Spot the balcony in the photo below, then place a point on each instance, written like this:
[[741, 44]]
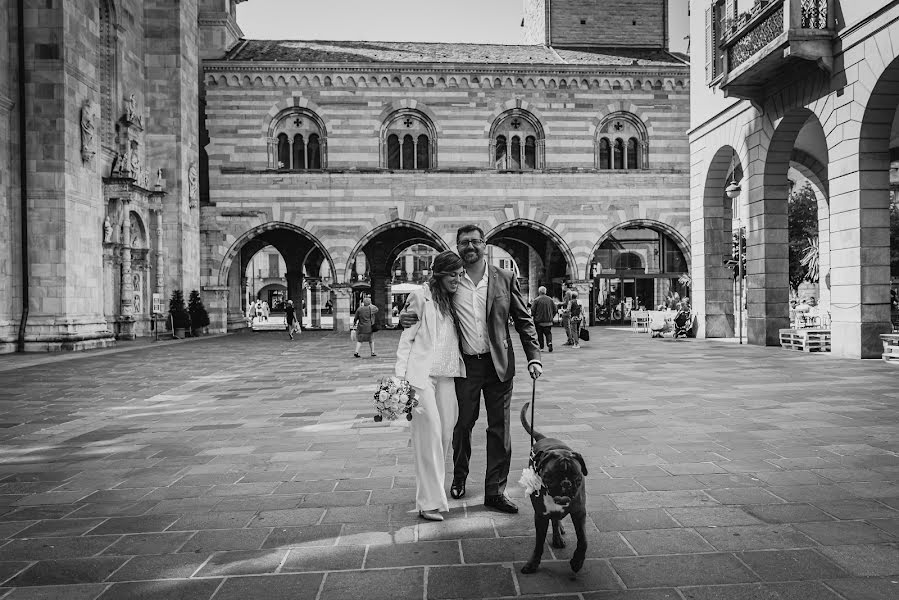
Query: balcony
[[760, 45]]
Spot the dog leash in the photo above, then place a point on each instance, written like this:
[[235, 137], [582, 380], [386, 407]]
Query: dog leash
[[533, 398]]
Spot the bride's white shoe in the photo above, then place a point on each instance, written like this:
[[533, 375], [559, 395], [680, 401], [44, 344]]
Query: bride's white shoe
[[430, 515]]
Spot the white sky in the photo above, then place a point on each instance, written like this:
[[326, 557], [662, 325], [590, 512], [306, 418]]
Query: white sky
[[472, 21]]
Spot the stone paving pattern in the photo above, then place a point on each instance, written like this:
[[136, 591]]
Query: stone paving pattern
[[248, 466]]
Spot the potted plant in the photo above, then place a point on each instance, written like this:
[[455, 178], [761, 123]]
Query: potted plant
[[179, 314], [199, 318]]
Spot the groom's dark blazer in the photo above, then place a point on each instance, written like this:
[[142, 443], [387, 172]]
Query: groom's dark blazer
[[503, 301]]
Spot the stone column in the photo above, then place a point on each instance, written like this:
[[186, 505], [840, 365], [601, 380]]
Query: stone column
[[160, 260], [126, 325], [295, 288], [315, 309], [380, 298], [215, 297], [343, 319]]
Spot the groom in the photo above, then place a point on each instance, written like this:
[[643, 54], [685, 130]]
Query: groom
[[485, 300]]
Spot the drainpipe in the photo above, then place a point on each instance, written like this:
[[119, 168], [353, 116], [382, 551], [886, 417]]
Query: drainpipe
[[23, 175]]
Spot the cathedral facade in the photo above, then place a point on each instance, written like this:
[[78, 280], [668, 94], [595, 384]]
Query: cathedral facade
[[148, 148]]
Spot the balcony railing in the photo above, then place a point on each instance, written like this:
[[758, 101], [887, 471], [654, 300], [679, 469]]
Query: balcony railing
[[756, 43]]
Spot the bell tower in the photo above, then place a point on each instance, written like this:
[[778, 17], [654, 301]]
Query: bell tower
[[597, 23], [218, 27]]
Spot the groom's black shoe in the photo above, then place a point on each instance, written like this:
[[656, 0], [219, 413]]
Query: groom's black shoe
[[500, 503], [457, 490]]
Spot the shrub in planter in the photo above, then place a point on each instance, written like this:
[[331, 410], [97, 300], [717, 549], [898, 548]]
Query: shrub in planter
[[199, 318], [180, 316]]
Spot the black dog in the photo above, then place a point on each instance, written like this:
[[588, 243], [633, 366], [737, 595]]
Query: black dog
[[562, 471]]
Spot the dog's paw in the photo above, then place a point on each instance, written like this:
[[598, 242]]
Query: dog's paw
[[529, 568], [558, 542], [576, 563]]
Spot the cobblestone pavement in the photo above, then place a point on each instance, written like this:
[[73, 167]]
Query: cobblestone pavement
[[248, 467]]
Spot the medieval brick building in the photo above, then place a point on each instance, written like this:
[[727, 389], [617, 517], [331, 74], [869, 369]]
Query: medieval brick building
[[160, 150]]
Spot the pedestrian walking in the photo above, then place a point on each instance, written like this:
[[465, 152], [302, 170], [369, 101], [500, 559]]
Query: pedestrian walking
[[565, 314], [365, 325], [290, 314], [543, 309], [575, 319], [428, 357], [486, 299]]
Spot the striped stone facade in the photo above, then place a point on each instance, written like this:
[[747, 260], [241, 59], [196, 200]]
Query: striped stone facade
[[341, 209]]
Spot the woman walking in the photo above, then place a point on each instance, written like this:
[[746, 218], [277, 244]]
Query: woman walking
[[364, 319], [576, 312], [291, 317], [428, 356]]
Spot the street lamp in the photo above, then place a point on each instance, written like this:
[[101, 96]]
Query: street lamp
[[733, 190]]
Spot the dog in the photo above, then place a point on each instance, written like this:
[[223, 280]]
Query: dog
[[562, 471]]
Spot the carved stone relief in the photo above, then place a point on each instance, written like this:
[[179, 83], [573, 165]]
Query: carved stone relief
[[193, 185], [88, 129]]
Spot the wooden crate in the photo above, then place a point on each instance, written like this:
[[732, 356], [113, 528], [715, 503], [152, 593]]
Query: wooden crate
[[806, 340], [890, 348]]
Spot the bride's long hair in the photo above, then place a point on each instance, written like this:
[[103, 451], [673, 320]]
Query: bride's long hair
[[446, 263]]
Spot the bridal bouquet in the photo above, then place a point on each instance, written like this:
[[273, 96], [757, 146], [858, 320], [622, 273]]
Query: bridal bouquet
[[394, 397]]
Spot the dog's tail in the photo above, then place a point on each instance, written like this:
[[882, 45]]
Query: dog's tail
[[524, 423]]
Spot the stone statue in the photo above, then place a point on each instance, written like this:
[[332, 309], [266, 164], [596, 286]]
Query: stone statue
[[158, 185], [193, 184], [88, 128], [107, 230], [120, 166], [131, 114], [135, 161]]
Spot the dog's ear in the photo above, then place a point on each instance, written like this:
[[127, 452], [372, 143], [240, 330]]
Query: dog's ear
[[580, 459]]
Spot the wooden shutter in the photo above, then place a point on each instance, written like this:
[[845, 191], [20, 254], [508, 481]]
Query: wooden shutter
[[729, 18], [710, 50]]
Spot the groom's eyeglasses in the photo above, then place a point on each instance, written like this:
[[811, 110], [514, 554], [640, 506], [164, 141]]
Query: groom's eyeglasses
[[465, 243]]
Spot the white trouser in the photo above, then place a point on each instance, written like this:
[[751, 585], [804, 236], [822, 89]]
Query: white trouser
[[432, 437]]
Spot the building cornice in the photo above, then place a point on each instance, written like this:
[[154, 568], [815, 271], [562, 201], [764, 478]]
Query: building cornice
[[220, 66]]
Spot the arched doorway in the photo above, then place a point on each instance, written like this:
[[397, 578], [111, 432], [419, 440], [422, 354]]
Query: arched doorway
[[540, 255], [287, 259], [768, 232], [373, 264], [868, 286], [637, 265], [714, 278]]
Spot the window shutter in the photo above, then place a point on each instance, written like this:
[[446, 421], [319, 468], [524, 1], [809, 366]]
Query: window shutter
[[710, 50]]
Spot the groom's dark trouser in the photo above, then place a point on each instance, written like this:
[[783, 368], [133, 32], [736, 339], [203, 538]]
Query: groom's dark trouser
[[481, 377]]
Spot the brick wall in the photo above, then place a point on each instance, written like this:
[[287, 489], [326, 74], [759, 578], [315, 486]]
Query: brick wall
[[618, 23]]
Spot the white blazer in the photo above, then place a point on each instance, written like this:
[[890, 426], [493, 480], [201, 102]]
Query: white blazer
[[415, 353]]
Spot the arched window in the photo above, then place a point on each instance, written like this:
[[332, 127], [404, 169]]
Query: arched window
[[314, 151], [393, 151], [621, 142], [107, 68], [605, 154], [500, 153], [297, 141], [408, 141], [283, 151], [632, 154], [408, 153], [618, 154], [530, 153], [516, 141], [423, 152], [515, 154]]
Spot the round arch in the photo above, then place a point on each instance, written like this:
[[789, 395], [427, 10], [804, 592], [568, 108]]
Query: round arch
[[413, 114], [571, 264], [259, 230], [682, 244], [425, 236]]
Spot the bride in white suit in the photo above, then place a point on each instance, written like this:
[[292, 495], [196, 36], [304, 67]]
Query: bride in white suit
[[428, 356]]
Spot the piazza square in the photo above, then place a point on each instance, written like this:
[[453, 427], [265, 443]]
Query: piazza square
[[224, 221]]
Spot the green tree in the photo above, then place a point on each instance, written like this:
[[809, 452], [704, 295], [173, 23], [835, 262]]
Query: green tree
[[199, 318], [802, 207], [180, 316]]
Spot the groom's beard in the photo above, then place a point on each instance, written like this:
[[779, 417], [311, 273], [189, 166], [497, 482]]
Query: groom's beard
[[472, 255]]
